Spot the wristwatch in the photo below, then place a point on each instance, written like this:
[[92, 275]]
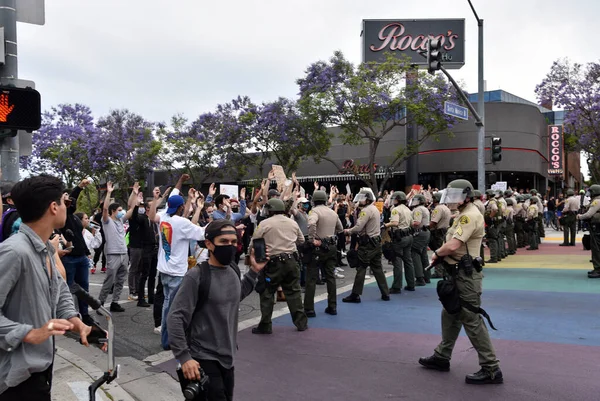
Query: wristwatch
[[436, 254]]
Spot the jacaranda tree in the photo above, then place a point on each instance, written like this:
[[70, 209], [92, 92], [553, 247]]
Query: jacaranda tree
[[369, 100], [576, 88]]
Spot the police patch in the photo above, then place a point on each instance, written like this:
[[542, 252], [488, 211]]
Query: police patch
[[394, 212], [436, 211], [362, 214], [464, 220], [594, 203]]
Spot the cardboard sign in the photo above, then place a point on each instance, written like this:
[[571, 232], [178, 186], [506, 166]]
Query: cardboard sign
[[279, 176], [230, 190]]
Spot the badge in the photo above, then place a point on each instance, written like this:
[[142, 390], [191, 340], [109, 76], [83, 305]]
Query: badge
[[464, 220], [362, 214], [595, 202], [436, 211], [394, 212]]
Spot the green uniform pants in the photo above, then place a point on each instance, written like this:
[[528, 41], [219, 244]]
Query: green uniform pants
[[510, 237], [492, 241], [540, 224], [533, 238], [403, 258], [328, 260], [370, 256], [570, 227], [501, 241], [595, 245], [419, 254], [470, 290], [287, 275], [519, 231]]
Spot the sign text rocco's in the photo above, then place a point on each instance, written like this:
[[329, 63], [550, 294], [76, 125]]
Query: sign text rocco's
[[555, 150], [408, 37]]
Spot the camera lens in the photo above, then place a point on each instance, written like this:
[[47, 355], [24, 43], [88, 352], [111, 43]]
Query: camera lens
[[191, 391]]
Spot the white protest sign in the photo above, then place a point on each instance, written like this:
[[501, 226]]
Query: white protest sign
[[230, 190]]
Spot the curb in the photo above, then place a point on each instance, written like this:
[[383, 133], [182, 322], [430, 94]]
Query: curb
[[112, 390]]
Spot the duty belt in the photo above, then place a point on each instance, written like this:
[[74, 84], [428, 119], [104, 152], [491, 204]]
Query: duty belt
[[282, 257], [404, 232], [329, 240]]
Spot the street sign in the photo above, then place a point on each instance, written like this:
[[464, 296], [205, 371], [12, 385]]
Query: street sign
[[20, 108], [456, 110], [31, 12]]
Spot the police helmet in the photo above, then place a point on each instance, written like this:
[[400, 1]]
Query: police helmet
[[533, 192], [534, 199], [319, 196], [417, 200], [477, 194], [570, 192], [457, 191], [490, 193], [520, 199], [399, 196], [508, 193], [365, 194], [594, 190], [275, 205], [510, 202], [437, 197]]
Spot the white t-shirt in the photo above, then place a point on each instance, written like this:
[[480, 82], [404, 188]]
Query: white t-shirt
[[175, 236]]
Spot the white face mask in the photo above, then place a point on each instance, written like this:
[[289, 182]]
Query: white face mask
[[141, 210]]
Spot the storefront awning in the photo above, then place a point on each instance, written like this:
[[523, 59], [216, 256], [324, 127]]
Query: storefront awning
[[332, 177]]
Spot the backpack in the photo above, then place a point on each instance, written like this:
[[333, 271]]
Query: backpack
[[10, 223]]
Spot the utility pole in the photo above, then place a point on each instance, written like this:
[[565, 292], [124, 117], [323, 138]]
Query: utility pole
[[9, 146], [480, 108], [412, 138]]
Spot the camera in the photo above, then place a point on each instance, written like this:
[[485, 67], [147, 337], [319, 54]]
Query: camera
[[195, 388]]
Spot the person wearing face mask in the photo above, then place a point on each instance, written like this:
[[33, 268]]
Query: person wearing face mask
[[402, 240], [462, 244], [117, 260], [224, 207], [203, 320]]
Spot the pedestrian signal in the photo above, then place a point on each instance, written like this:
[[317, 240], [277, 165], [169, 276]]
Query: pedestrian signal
[[20, 109]]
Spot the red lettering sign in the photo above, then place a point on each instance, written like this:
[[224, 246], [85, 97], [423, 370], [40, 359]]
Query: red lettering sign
[[555, 150], [393, 38], [349, 167]]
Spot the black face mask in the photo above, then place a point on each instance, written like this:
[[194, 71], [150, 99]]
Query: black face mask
[[225, 253], [235, 209]]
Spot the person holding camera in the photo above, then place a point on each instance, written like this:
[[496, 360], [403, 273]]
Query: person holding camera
[[203, 318], [464, 273]]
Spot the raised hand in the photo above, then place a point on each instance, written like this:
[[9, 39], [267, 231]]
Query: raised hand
[[185, 177], [136, 188], [243, 194], [212, 190], [84, 183], [109, 187]]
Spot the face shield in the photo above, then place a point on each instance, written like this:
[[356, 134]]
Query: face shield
[[360, 197], [453, 196], [414, 202]]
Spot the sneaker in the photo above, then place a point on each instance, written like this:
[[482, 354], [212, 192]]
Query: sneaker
[[143, 304], [93, 271], [133, 297], [158, 330], [115, 307], [339, 269], [103, 270], [338, 275]]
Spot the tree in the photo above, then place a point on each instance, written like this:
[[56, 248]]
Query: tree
[[66, 145], [129, 146], [192, 149], [367, 101], [576, 88]]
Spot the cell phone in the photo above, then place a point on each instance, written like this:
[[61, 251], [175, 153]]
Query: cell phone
[[260, 250], [69, 248]]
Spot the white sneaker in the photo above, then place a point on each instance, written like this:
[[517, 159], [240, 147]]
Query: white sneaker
[[133, 297], [157, 330], [343, 254], [338, 275], [339, 269], [367, 276]]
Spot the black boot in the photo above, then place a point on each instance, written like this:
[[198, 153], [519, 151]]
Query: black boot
[[436, 363], [352, 298], [115, 307], [485, 376]]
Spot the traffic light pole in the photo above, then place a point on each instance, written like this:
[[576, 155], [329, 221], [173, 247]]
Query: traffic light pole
[[9, 146], [480, 108]]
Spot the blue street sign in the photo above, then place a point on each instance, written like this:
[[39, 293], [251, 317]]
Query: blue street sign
[[456, 110]]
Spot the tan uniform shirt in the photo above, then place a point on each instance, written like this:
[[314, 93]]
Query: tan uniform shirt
[[281, 234], [571, 205], [441, 215], [403, 216], [369, 222], [492, 206], [532, 212], [323, 223], [509, 213], [520, 211], [594, 208], [502, 201], [421, 215], [480, 206], [469, 228]]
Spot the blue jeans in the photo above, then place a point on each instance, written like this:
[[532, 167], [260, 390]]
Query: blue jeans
[[170, 287], [78, 271]]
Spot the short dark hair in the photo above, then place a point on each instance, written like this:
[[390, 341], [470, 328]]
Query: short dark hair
[[34, 195], [112, 207], [80, 215], [219, 199]]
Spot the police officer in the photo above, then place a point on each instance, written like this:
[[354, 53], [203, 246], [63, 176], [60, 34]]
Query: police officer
[[478, 203], [491, 219], [464, 237], [532, 214], [593, 216], [420, 225], [281, 235], [402, 240], [520, 217], [540, 218], [570, 218], [502, 224], [438, 226], [368, 227], [509, 216], [323, 227]]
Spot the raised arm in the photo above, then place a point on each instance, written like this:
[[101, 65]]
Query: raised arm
[[109, 191]]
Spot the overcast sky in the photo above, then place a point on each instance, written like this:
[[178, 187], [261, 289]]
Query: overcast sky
[[159, 58]]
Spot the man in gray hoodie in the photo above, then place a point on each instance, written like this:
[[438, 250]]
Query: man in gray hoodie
[[212, 325]]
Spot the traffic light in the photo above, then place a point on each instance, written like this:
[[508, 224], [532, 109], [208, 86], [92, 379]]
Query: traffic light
[[20, 109], [496, 150], [434, 55]]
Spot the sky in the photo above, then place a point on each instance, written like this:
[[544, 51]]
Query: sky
[[159, 58]]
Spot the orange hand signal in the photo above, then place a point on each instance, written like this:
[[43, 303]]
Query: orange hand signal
[[5, 109]]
